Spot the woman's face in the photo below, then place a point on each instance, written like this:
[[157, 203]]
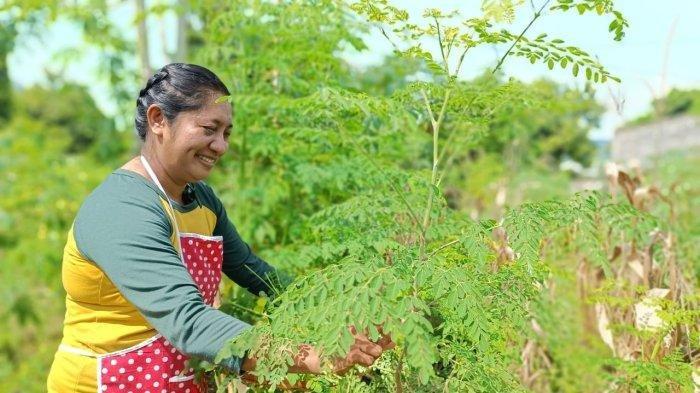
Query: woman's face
[[194, 141]]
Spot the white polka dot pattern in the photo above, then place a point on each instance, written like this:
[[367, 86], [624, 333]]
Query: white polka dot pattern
[[203, 258], [132, 372], [142, 369]]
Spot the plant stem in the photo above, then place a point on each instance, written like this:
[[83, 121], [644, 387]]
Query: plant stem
[[657, 346], [433, 177], [522, 33], [496, 68], [246, 309], [442, 49], [443, 247], [384, 33], [397, 374], [449, 47], [461, 61]]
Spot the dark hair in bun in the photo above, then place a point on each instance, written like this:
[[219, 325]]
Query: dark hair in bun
[[175, 88]]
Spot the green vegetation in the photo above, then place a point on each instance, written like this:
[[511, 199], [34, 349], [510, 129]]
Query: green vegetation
[[676, 102], [45, 176], [399, 196]]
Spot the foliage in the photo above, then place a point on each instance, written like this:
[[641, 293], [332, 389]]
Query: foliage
[[454, 297], [405, 199], [600, 7], [676, 102], [43, 183], [99, 31], [71, 108], [7, 35], [529, 123]]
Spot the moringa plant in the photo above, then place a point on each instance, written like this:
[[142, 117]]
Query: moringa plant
[[385, 253]]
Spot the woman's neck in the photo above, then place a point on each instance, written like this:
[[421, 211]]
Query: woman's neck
[[172, 188]]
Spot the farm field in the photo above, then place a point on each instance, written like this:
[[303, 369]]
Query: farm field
[[455, 207]]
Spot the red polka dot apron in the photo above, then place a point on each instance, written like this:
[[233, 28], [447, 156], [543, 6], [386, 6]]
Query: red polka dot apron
[[155, 366]]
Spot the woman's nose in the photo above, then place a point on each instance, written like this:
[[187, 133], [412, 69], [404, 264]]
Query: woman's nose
[[219, 145]]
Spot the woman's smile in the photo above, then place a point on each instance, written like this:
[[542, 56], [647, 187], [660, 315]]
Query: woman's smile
[[208, 161]]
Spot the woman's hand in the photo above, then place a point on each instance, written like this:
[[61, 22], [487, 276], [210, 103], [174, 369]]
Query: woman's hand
[[363, 352], [385, 340]]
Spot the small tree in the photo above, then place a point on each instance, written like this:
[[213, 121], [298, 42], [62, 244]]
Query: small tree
[[391, 257]]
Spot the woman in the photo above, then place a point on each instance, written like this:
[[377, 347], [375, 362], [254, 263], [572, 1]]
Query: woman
[[143, 259]]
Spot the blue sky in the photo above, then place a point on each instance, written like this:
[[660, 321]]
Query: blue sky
[[638, 59]]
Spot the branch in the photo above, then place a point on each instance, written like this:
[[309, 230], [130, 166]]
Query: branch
[[433, 176], [522, 33], [427, 106], [444, 107], [444, 246], [442, 50], [461, 60], [450, 45], [384, 33]]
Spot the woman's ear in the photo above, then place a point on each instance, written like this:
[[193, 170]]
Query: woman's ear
[[156, 119]]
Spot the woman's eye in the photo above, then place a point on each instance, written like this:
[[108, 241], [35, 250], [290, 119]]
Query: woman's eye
[[209, 130]]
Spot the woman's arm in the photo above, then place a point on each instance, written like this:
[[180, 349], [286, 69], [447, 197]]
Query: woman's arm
[[240, 264], [122, 227]]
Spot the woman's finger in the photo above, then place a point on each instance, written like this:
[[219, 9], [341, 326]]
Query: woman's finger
[[371, 348], [341, 366], [386, 342], [361, 358]]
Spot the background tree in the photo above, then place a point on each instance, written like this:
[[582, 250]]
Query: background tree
[[7, 39], [56, 148], [331, 176], [70, 107]]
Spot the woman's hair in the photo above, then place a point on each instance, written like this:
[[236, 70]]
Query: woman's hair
[[176, 88]]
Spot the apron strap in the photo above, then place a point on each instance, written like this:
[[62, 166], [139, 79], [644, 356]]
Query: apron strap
[[154, 178]]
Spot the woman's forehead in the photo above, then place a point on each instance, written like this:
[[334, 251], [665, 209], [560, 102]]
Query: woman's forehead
[[220, 113]]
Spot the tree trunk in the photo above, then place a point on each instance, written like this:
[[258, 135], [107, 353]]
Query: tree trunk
[[142, 40], [7, 39], [182, 29]]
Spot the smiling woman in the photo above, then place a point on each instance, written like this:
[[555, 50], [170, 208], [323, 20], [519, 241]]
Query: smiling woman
[[144, 257], [189, 129]]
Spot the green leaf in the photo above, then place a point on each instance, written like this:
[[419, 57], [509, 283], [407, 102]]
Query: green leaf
[[292, 378], [373, 332], [224, 98], [574, 70]]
